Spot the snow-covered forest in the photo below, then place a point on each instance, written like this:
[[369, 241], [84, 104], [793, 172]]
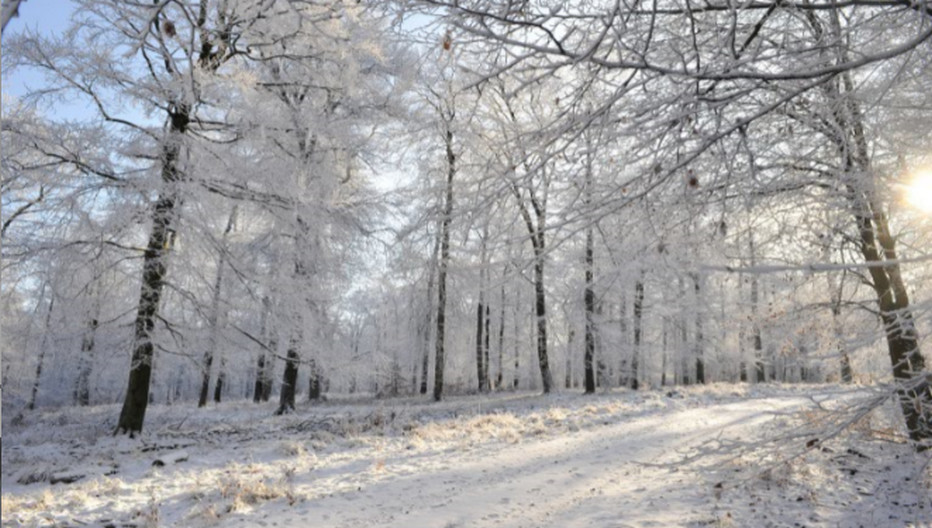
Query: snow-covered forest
[[285, 249]]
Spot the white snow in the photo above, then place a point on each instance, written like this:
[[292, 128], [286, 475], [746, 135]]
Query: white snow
[[704, 456]]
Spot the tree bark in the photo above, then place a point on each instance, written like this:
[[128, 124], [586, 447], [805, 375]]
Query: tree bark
[[262, 388], [481, 370], [683, 358], [486, 363], [540, 296], [314, 385], [744, 373], [221, 380], [757, 340], [638, 322], [517, 373], [540, 304], [589, 302], [444, 262], [568, 377], [43, 346], [624, 376], [289, 380], [699, 345], [914, 384], [260, 377], [501, 340], [429, 319], [845, 370], [82, 388], [482, 318], [213, 321], [664, 341], [154, 267]]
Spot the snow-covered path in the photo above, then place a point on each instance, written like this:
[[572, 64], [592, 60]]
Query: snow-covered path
[[503, 460], [599, 477]]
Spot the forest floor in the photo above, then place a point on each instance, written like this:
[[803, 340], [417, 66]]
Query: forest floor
[[718, 456]]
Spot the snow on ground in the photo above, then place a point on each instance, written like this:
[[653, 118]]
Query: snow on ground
[[714, 456]]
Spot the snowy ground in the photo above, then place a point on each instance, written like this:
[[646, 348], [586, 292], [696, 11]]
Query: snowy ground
[[710, 456]]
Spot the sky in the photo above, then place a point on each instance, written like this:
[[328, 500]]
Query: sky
[[46, 17]]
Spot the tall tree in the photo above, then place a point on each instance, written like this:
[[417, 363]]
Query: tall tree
[[447, 116], [213, 321], [588, 292]]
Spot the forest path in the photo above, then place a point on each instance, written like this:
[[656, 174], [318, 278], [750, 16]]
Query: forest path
[[618, 475], [567, 460]]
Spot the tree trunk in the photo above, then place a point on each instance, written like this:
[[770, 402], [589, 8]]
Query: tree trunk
[[914, 383], [487, 365], [442, 271], [205, 379], [624, 376], [314, 384], [683, 357], [482, 317], [540, 303], [43, 346], [154, 267], [846, 372], [568, 374], [395, 381], [425, 357], [269, 368], [602, 368], [263, 368], [638, 321], [425, 354], [588, 292], [221, 379], [269, 373], [589, 301], [501, 340], [663, 358], [536, 231], [878, 245], [744, 373], [517, 377], [260, 377], [758, 342], [481, 371], [303, 269], [699, 345], [289, 380], [82, 388], [213, 322]]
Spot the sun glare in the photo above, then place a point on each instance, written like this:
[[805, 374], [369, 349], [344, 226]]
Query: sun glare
[[919, 191]]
